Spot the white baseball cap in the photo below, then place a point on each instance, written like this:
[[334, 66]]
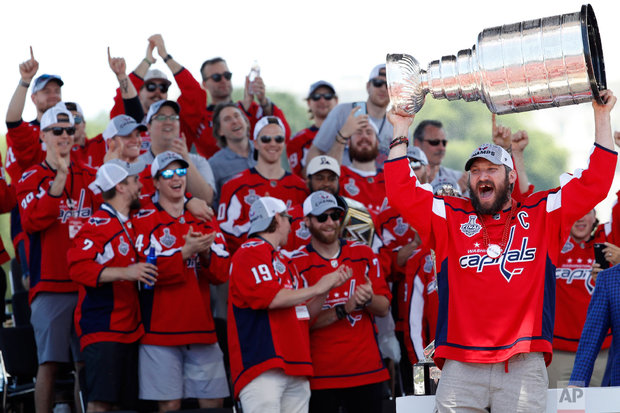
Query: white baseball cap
[[323, 163], [121, 125], [51, 115], [262, 212], [492, 153], [266, 120], [164, 159], [112, 173], [320, 201]]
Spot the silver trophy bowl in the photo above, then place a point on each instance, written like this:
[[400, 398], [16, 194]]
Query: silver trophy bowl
[[535, 64]]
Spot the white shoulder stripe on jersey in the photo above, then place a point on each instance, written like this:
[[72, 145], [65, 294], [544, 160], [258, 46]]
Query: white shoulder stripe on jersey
[[108, 254], [554, 201], [439, 207], [416, 310]]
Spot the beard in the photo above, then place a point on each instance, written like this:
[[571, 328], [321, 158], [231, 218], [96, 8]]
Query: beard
[[364, 155], [135, 204], [321, 237], [502, 196]]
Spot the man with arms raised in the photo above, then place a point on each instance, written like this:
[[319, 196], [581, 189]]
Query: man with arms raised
[[496, 259]]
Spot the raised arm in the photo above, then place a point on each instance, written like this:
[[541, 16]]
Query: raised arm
[[158, 41], [27, 71], [602, 119]]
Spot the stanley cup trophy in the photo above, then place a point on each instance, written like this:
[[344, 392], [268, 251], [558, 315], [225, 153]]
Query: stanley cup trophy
[[535, 64]]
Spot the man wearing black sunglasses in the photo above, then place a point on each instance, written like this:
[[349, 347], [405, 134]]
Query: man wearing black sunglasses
[[333, 137], [430, 136], [348, 367], [267, 178], [152, 86], [54, 201], [321, 100], [216, 81]]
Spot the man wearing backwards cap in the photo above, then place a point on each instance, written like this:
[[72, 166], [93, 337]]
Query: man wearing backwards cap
[[343, 121], [268, 178], [348, 367], [496, 259], [179, 356], [104, 262], [321, 100], [54, 202], [268, 315]]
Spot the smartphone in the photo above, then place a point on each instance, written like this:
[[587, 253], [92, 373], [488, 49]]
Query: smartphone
[[599, 255], [361, 110]]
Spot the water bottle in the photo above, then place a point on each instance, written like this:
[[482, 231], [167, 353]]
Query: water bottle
[[254, 73], [151, 259]]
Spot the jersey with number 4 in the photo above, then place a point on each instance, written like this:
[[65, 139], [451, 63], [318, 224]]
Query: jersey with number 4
[[260, 338], [493, 308], [106, 311], [174, 311], [344, 353]]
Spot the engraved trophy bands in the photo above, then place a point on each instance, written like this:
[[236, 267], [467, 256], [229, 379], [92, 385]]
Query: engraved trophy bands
[[426, 374], [535, 64]]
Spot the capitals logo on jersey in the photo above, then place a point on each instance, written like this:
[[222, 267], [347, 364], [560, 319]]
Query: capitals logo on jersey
[[510, 256], [98, 221], [72, 209]]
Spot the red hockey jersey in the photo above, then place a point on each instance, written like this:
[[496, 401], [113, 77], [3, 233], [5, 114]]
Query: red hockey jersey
[[344, 353], [297, 149], [574, 287], [52, 222], [260, 339], [107, 311], [367, 188], [240, 192], [174, 312], [491, 309], [8, 201]]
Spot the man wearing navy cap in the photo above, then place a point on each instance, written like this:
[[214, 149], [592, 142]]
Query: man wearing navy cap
[[321, 100]]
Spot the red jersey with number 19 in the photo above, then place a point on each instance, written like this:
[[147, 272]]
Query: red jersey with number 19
[[259, 338], [493, 308]]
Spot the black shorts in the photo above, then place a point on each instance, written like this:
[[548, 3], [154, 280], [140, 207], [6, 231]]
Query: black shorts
[[111, 371]]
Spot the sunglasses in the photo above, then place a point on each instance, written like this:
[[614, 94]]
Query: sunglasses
[[378, 82], [78, 119], [216, 77], [163, 118], [152, 87], [326, 96], [169, 173], [287, 216], [57, 130], [267, 139], [335, 216], [436, 142]]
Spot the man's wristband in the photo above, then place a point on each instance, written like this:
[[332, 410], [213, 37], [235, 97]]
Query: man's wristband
[[24, 84], [147, 61], [399, 140], [340, 311], [346, 138], [168, 57]]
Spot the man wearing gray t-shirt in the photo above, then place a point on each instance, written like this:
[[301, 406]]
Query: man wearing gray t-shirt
[[430, 136], [333, 137]]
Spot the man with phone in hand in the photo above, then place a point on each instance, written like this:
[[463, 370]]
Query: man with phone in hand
[[333, 137], [574, 282]]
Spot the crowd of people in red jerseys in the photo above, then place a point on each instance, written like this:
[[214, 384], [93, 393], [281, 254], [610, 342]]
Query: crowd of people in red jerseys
[[177, 244]]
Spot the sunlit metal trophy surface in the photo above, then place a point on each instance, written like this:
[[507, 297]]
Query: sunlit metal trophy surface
[[535, 64], [357, 224], [426, 374]]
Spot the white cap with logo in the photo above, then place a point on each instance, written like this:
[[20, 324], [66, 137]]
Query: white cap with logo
[[492, 153], [262, 212], [114, 172]]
